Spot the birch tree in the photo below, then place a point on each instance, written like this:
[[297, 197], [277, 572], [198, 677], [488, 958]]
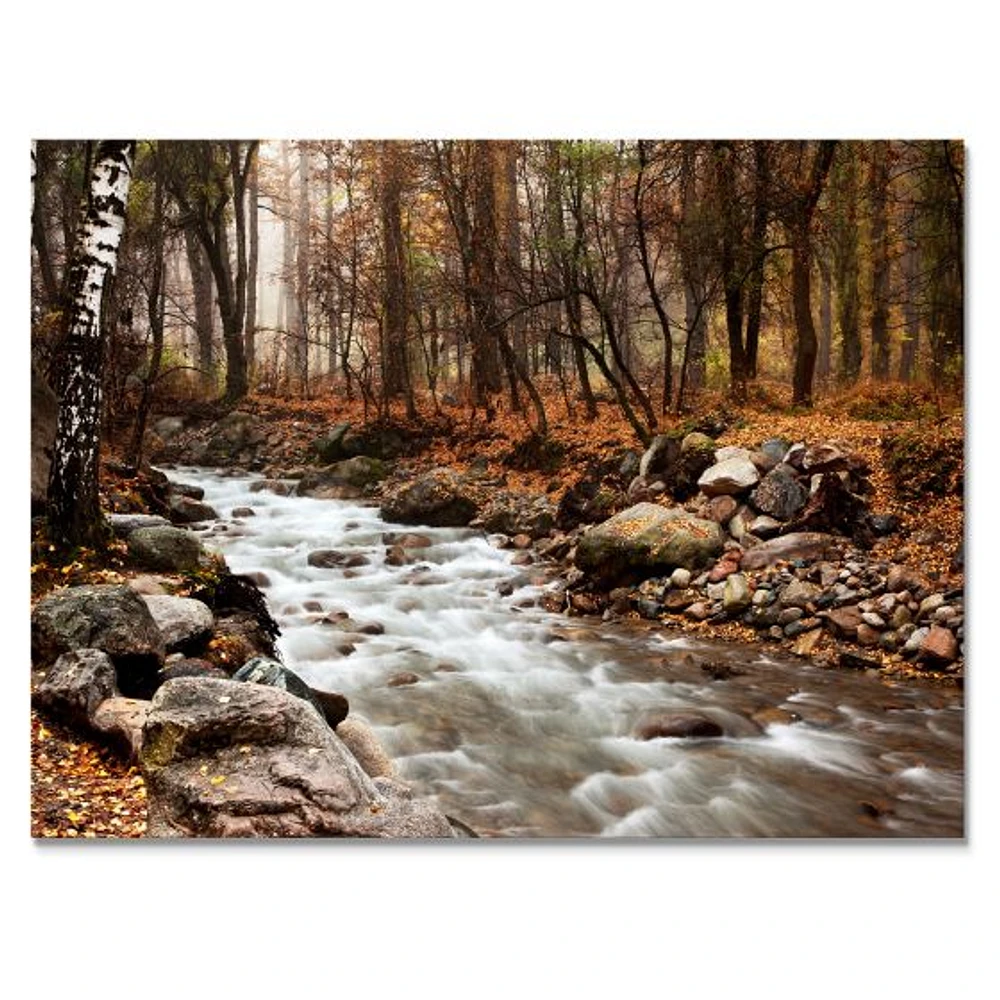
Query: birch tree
[[74, 514]]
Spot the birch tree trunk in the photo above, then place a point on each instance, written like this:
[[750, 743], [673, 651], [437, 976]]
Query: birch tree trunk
[[74, 513]]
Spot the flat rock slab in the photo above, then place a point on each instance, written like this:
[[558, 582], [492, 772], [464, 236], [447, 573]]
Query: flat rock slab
[[805, 545]]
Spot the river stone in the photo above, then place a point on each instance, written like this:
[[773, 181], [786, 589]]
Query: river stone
[[111, 618], [224, 759], [334, 481], [333, 704], [845, 620], [731, 451], [722, 508], [191, 666], [439, 499], [680, 578], [122, 525], [168, 549], [186, 624], [75, 686], [263, 670], [799, 593], [780, 494], [329, 446], [646, 538], [243, 512], [736, 597], [403, 679], [731, 476], [676, 725], [939, 647], [804, 545], [186, 510], [764, 526], [361, 740]]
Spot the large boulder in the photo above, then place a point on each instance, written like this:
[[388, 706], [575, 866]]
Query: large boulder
[[224, 759], [344, 480], [235, 432], [439, 499], [646, 539], [114, 619], [188, 510], [329, 447], [122, 525], [168, 549], [510, 513], [186, 624]]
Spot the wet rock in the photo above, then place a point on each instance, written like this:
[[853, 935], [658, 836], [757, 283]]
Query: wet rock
[[276, 486], [438, 499], [75, 686], [122, 525], [676, 725], [185, 510], [403, 679], [772, 715], [110, 618], [805, 644], [731, 476], [343, 480], [326, 558], [167, 549], [646, 538], [186, 624], [224, 759], [361, 741], [333, 705], [243, 512]]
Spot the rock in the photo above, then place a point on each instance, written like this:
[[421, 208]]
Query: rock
[[276, 486], [646, 538], [736, 598], [699, 611], [122, 525], [780, 494], [110, 618], [120, 721], [727, 565], [243, 512], [805, 545], [167, 549], [167, 428], [805, 644], [587, 502], [235, 432], [344, 480], [185, 510], [938, 648], [333, 705], [326, 558], [866, 635], [662, 453], [854, 661], [731, 451], [929, 605], [915, 640], [190, 666], [845, 620], [900, 578], [764, 526], [873, 620], [799, 593], [680, 578], [731, 476], [403, 679], [775, 449], [224, 759], [186, 624], [722, 508], [772, 715], [75, 686], [360, 740], [438, 499], [329, 447], [263, 670], [675, 725]]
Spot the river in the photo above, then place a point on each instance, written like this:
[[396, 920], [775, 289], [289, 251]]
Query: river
[[520, 723]]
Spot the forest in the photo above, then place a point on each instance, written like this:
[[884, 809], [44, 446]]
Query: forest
[[451, 446]]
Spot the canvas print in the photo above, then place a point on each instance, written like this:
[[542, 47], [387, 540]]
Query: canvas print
[[564, 489]]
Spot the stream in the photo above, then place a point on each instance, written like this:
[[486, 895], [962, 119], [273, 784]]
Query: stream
[[520, 723]]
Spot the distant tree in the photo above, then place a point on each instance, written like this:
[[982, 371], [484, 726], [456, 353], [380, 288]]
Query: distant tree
[[878, 197], [74, 515], [844, 251]]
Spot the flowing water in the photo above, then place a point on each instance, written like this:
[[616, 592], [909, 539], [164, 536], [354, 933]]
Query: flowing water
[[521, 721]]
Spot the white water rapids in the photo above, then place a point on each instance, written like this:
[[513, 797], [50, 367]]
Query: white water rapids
[[521, 722]]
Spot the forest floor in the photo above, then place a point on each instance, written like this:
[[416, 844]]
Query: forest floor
[[80, 789]]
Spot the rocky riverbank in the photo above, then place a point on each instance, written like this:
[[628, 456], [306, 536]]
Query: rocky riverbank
[[815, 546]]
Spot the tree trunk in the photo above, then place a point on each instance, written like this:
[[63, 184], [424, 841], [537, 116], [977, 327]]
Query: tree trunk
[[395, 349], [758, 249], [845, 233], [204, 313], [732, 278], [879, 195], [302, 273], [250, 337], [911, 312], [74, 514], [825, 322]]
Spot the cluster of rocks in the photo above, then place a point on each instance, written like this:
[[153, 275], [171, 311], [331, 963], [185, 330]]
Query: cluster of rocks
[[231, 743], [774, 539]]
